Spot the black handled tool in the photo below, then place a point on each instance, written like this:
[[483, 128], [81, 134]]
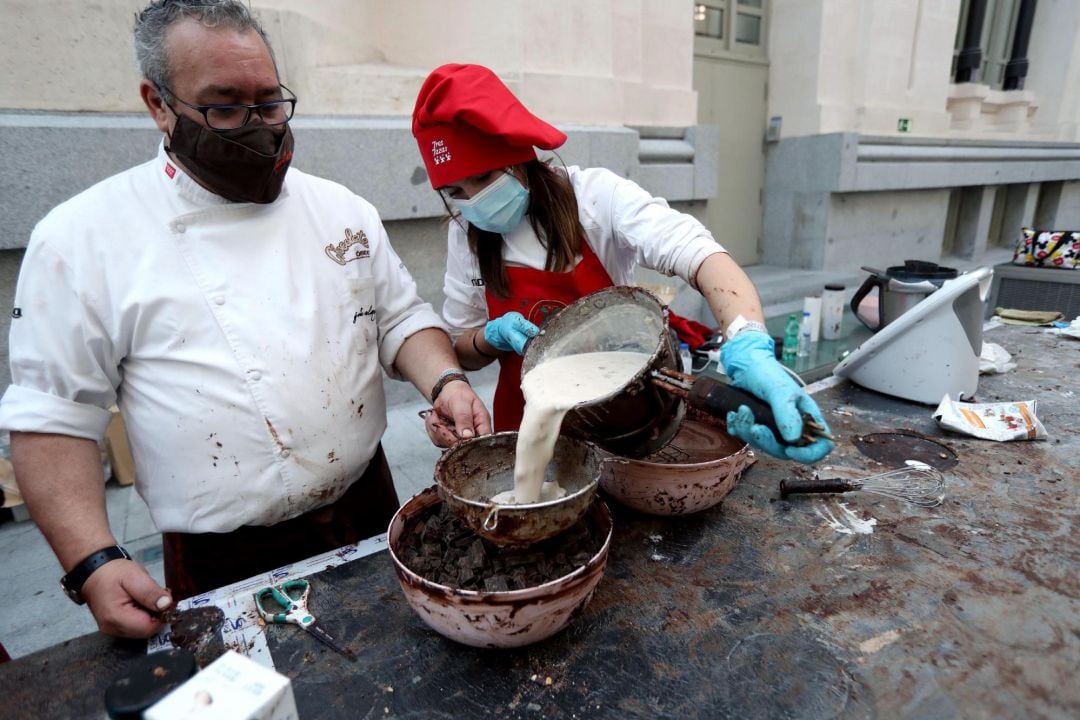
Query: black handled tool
[[717, 399]]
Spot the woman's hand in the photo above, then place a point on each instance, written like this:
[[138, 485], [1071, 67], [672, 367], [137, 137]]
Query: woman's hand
[[750, 361], [510, 332]]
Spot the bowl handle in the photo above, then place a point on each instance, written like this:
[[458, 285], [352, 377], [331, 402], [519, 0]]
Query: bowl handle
[[491, 521]]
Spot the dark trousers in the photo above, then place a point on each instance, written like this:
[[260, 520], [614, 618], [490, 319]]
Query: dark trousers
[[197, 562]]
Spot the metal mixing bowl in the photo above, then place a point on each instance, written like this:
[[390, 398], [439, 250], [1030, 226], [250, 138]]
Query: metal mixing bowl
[[498, 619], [472, 472], [693, 472]]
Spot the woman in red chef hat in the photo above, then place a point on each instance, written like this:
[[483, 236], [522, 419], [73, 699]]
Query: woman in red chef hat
[[528, 239]]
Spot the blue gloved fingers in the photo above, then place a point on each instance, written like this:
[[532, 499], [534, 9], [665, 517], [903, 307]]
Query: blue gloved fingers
[[741, 425], [808, 454], [523, 331], [784, 402], [510, 332]]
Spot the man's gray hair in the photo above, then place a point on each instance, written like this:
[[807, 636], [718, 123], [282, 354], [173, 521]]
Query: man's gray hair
[[152, 24]]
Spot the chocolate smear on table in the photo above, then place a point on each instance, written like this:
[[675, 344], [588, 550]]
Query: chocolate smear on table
[[198, 631], [440, 548]]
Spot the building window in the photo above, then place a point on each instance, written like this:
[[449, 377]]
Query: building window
[[731, 28], [997, 33]]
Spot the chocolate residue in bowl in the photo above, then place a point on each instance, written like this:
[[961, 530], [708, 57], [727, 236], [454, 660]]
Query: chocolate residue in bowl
[[442, 549]]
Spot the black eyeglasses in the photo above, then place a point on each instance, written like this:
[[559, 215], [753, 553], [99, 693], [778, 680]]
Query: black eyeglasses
[[229, 116]]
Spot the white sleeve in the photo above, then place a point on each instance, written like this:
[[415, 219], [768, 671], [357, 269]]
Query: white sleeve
[[399, 309], [663, 239], [466, 302], [64, 366]]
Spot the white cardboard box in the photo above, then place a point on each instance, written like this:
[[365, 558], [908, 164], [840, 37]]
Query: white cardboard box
[[230, 688]]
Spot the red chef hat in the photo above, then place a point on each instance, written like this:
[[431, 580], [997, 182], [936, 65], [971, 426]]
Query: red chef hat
[[466, 121]]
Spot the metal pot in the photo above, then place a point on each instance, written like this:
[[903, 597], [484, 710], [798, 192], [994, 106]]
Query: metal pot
[[472, 472], [900, 288], [640, 418]]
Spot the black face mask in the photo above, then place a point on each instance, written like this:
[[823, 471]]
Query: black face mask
[[246, 164]]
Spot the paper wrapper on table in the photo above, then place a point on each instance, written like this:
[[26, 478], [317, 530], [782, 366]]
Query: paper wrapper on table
[[232, 687], [991, 421]]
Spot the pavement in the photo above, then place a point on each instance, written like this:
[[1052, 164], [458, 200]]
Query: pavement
[[38, 615]]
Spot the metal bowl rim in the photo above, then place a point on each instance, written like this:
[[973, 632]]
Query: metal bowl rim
[[599, 558], [590, 487]]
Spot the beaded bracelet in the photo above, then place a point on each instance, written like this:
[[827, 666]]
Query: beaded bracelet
[[449, 375]]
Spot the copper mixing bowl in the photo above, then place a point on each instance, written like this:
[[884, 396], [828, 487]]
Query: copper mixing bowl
[[498, 619], [693, 472]]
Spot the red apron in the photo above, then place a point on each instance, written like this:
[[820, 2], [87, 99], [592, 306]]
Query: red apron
[[537, 294]]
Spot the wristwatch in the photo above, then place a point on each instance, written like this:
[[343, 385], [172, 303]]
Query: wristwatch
[[72, 583]]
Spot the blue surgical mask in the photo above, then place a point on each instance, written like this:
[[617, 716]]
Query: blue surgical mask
[[497, 208]]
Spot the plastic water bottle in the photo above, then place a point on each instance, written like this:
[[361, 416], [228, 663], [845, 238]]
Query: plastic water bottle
[[685, 358], [804, 335], [791, 337]]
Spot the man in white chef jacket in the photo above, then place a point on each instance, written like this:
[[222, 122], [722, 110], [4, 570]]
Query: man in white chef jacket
[[239, 313]]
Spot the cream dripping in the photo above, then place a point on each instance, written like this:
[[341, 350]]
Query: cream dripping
[[551, 390]]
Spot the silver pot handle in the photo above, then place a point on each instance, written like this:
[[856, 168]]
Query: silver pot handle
[[492, 520]]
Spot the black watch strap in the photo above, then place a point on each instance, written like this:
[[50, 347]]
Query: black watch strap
[[72, 583]]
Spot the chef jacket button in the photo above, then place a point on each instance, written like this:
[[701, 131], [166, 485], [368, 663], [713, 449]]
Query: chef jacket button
[[284, 453], [180, 227], [219, 299], [256, 375]]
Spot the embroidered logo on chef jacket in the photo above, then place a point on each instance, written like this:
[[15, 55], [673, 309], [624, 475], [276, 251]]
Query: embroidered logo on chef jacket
[[440, 153], [16, 313], [353, 247], [170, 170], [477, 282]]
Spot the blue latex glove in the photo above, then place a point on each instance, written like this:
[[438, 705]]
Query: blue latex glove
[[510, 332], [750, 361]]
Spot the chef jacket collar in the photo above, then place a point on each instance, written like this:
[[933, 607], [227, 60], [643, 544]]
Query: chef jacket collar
[[191, 191]]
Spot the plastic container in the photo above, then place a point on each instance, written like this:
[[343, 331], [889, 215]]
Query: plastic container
[[791, 337], [805, 337], [685, 358], [832, 311]]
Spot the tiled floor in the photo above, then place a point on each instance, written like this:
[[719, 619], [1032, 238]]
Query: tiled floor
[[36, 614]]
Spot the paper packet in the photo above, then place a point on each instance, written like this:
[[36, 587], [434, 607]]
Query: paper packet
[[991, 421]]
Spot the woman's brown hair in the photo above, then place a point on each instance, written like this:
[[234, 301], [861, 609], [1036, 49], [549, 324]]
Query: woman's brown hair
[[553, 214]]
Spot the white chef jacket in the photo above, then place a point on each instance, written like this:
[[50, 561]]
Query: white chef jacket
[[625, 227], [242, 342]]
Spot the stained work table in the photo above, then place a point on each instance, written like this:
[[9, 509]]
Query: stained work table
[[755, 609]]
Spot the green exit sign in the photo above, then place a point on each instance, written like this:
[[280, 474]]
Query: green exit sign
[[903, 125]]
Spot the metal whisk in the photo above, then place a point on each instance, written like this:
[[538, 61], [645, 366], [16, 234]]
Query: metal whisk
[[916, 483]]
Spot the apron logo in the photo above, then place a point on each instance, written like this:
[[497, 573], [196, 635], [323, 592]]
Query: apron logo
[[543, 311], [347, 250]]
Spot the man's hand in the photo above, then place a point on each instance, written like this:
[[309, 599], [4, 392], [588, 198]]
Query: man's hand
[[122, 596], [458, 415]]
